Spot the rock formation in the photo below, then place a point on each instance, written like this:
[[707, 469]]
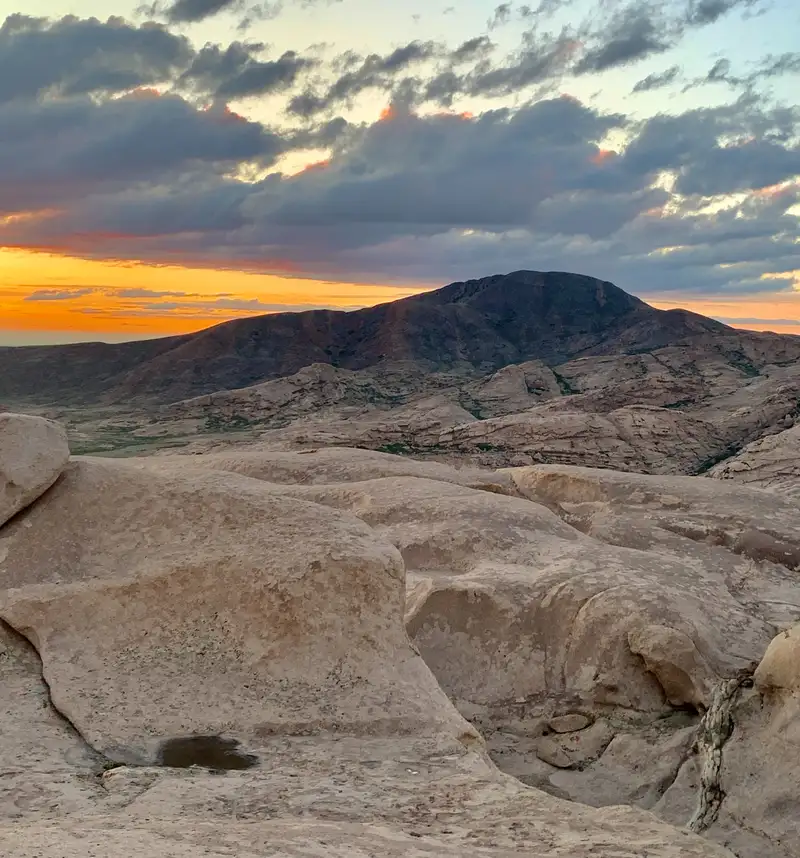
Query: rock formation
[[200, 661], [346, 652], [772, 462]]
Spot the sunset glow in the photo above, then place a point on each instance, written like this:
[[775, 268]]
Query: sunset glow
[[167, 166], [43, 293]]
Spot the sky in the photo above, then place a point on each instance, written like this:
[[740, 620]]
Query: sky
[[168, 165]]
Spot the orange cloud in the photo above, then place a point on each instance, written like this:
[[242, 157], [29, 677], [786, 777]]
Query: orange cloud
[[602, 155], [316, 166]]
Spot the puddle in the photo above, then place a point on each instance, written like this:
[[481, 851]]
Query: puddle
[[210, 752]]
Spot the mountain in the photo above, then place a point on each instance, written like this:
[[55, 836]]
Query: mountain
[[477, 326]]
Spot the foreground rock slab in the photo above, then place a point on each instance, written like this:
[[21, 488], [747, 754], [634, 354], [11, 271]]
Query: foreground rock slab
[[205, 604], [208, 656]]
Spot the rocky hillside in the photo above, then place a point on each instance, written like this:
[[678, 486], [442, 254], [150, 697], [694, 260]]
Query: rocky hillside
[[348, 653], [680, 409], [475, 327]]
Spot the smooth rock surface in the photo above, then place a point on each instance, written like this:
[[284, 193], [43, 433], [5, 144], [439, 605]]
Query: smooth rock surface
[[253, 606], [33, 453], [164, 606]]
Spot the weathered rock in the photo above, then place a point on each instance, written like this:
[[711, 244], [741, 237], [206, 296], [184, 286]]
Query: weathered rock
[[569, 723], [575, 749], [550, 751], [634, 438], [33, 453], [635, 768], [771, 463], [779, 669], [672, 657]]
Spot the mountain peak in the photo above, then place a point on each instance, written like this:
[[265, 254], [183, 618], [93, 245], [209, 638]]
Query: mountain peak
[[487, 323]]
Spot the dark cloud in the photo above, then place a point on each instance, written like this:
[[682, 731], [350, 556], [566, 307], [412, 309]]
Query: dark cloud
[[198, 10], [719, 71], [472, 49], [443, 197], [501, 15], [702, 12], [213, 65], [645, 28], [111, 144], [417, 195], [262, 77], [722, 150], [148, 293], [771, 66], [630, 36], [540, 59], [192, 11], [374, 72], [658, 80], [71, 56]]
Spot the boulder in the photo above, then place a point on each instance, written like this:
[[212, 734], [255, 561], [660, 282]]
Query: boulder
[[569, 723], [779, 669], [33, 453]]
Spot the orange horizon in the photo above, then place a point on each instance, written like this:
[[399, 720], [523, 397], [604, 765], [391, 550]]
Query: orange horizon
[[131, 299]]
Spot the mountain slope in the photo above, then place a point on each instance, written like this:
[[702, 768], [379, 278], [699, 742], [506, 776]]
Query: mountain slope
[[478, 324]]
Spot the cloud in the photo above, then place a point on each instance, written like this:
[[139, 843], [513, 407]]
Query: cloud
[[735, 320], [657, 80], [106, 145], [73, 56], [441, 197], [193, 11], [374, 72], [190, 11], [149, 293], [59, 294], [702, 12], [631, 35], [703, 200], [236, 71], [722, 150], [501, 15]]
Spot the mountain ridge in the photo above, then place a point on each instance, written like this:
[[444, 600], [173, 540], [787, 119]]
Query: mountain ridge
[[479, 325]]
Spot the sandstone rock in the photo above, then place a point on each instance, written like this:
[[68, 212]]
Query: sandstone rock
[[634, 438], [575, 749], [636, 768], [550, 751], [258, 597], [755, 764], [569, 723], [506, 601], [779, 669], [33, 453], [178, 605], [771, 463], [672, 657]]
